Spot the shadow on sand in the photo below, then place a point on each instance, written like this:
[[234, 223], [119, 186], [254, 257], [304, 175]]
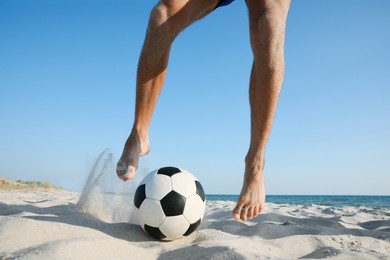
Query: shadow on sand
[[68, 214], [273, 226]]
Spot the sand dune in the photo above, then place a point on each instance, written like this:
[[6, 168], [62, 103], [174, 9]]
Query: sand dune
[[51, 225]]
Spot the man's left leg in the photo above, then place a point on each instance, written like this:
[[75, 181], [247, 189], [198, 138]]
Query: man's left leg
[[267, 23]]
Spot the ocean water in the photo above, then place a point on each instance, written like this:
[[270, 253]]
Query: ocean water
[[327, 200]]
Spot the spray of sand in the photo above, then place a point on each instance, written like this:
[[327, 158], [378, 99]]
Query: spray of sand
[[106, 197]]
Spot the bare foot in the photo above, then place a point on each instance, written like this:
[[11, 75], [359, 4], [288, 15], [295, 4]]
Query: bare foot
[[252, 198], [135, 147]]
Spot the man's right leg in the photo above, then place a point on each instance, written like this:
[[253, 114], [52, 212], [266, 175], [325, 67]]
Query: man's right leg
[[167, 19]]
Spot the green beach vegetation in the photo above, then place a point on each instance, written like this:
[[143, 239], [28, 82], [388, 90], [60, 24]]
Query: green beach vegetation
[[9, 184]]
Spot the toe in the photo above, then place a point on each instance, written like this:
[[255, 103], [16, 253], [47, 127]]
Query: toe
[[236, 212], [261, 207], [255, 211], [125, 172], [127, 166], [244, 214], [129, 174], [251, 212]]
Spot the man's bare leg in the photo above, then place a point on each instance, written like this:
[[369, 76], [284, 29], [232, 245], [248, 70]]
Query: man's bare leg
[[167, 20], [267, 22]]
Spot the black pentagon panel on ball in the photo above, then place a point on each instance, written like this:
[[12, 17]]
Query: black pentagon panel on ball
[[139, 196], [169, 171], [192, 228], [154, 232], [173, 204], [200, 191]]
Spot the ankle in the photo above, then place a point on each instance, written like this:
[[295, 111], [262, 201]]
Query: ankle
[[255, 158], [139, 134], [254, 166], [139, 139]]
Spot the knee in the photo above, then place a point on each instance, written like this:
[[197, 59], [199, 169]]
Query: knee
[[162, 20], [267, 23]]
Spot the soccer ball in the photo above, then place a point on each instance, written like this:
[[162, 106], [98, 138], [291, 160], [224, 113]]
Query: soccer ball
[[170, 203]]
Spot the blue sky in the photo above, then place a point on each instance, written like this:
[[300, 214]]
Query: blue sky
[[67, 79]]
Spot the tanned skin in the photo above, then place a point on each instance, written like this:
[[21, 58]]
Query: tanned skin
[[267, 23]]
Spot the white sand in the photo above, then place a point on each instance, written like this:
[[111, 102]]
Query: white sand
[[49, 225]]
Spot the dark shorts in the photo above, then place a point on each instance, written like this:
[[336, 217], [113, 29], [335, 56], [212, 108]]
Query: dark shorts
[[225, 2]]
